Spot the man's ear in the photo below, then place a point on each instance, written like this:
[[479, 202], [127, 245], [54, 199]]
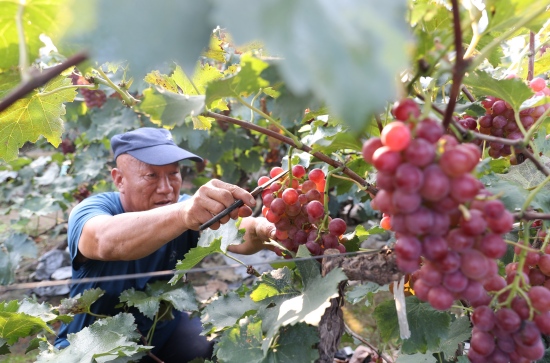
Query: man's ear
[[118, 179]]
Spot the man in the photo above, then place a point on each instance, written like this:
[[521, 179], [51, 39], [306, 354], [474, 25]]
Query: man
[[147, 226]]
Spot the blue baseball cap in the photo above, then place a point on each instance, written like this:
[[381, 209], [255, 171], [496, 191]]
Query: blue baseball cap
[[150, 145]]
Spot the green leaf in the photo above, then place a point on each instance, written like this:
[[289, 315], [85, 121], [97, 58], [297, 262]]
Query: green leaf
[[195, 255], [14, 247], [109, 339], [39, 17], [33, 116], [513, 91], [229, 233], [331, 139], [366, 39], [241, 343], [80, 303], [459, 331], [169, 109], [43, 310], [307, 307], [16, 325], [181, 296], [226, 310], [295, 344], [275, 282], [246, 82], [417, 358], [428, 326], [150, 36], [364, 291]]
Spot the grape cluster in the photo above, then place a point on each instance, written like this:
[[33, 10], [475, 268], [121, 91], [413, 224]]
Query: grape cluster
[[511, 334], [92, 98], [296, 207], [499, 119], [427, 191]]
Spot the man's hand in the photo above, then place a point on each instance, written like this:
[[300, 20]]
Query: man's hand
[[211, 199], [258, 231]]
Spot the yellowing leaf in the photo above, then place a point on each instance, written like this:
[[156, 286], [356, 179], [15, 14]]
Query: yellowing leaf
[[202, 122], [161, 80], [202, 76], [215, 50], [38, 114]]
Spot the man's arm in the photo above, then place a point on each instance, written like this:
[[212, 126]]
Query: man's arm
[[130, 236]]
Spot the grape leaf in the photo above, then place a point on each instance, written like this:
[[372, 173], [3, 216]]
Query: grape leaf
[[513, 91], [459, 331], [229, 233], [43, 311], [330, 139], [428, 326], [14, 248], [163, 81], [365, 38], [169, 109], [181, 296], [80, 303], [244, 83], [38, 114], [275, 282], [39, 17], [149, 37], [296, 343], [226, 310], [109, 339], [15, 325], [241, 343], [416, 358], [307, 307], [195, 255], [365, 290]]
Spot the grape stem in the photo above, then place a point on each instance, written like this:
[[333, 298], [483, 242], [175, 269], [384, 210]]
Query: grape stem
[[531, 57], [23, 54], [519, 245], [459, 68], [371, 189], [239, 261], [86, 86], [127, 98], [519, 277]]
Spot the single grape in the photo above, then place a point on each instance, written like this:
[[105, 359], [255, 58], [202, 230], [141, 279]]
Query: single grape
[[420, 152], [262, 180], [408, 178], [408, 248], [483, 318], [540, 298], [316, 175], [440, 298], [275, 171], [507, 320], [337, 227], [396, 136], [290, 196], [475, 225], [298, 171], [436, 184], [369, 147], [537, 84], [315, 209], [482, 342], [474, 264], [278, 206], [386, 160], [429, 130], [404, 109]]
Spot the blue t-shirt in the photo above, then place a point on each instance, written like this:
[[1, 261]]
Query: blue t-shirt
[[164, 258]]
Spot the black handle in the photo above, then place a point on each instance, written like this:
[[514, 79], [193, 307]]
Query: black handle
[[238, 203]]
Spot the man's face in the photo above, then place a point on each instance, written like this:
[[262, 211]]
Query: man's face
[[143, 186]]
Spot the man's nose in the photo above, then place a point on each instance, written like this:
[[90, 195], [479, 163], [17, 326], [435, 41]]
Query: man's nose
[[164, 186]]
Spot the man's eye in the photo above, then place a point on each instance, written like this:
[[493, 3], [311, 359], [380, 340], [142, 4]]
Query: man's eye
[[150, 175]]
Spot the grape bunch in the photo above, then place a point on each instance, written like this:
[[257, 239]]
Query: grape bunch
[[295, 205], [499, 119], [92, 98], [427, 191]]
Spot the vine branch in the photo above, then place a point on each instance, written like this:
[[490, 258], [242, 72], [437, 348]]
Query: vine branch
[[289, 141], [36, 81]]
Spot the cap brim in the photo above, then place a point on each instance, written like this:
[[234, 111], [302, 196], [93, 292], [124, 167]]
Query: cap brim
[[163, 155]]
